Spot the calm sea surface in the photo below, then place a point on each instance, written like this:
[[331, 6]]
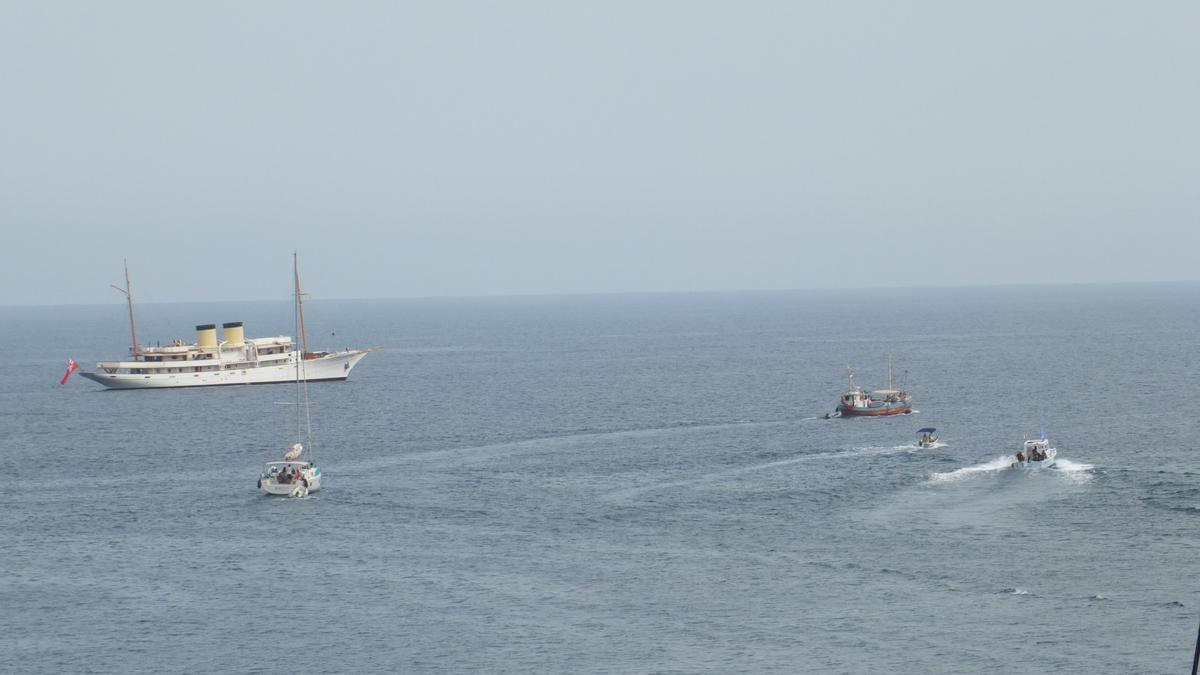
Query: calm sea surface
[[617, 484]]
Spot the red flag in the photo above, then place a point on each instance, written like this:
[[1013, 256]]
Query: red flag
[[71, 366]]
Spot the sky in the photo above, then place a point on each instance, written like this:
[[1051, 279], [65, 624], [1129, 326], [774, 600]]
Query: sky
[[414, 149]]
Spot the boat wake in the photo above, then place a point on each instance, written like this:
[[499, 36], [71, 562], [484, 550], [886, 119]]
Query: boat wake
[[999, 464], [1075, 471], [632, 492], [554, 442], [1078, 472]]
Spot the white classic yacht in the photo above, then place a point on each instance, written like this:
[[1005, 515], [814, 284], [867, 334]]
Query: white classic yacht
[[229, 358]]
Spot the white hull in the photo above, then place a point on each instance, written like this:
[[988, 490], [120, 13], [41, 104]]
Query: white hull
[[311, 476], [1043, 464], [335, 366]]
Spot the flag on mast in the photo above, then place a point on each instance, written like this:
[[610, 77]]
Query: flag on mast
[[71, 366]]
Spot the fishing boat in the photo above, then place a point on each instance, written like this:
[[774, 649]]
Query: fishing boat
[[229, 358], [926, 437], [297, 474], [1035, 453], [859, 402]]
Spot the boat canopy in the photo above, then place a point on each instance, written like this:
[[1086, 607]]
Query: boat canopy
[[302, 463], [926, 430]]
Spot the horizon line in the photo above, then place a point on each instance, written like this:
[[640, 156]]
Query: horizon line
[[730, 291]]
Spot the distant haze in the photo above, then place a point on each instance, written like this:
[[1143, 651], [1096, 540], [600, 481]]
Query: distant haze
[[471, 148]]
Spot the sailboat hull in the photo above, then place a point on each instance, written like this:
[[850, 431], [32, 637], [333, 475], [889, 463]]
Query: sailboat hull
[[311, 483]]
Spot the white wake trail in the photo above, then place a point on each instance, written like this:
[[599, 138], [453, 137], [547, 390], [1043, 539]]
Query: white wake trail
[[1002, 462]]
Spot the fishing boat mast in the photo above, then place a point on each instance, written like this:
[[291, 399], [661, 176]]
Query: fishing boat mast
[[128, 292]]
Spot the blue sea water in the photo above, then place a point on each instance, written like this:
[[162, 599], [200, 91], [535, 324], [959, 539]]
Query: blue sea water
[[617, 484]]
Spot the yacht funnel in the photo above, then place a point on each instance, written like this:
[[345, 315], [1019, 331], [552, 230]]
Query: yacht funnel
[[235, 336], [206, 336]]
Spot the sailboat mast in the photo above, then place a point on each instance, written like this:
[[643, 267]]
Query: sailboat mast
[[301, 377]]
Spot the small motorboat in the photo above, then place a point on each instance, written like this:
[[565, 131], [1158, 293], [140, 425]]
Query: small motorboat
[[926, 437], [1035, 453]]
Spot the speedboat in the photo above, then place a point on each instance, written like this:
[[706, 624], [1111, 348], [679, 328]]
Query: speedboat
[[926, 437], [1035, 453]]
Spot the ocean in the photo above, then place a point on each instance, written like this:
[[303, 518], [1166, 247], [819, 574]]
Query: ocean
[[617, 484]]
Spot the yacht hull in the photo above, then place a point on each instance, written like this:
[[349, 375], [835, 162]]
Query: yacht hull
[[335, 366]]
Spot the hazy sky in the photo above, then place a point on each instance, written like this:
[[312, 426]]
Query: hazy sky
[[477, 148]]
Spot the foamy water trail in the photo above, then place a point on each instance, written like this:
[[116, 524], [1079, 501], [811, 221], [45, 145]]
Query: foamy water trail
[[1002, 462], [1068, 465], [1075, 471], [1078, 472]]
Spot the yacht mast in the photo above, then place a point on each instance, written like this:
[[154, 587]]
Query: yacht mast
[[128, 291], [300, 307]]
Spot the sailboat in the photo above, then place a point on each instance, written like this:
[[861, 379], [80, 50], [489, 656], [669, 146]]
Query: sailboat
[[297, 474]]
